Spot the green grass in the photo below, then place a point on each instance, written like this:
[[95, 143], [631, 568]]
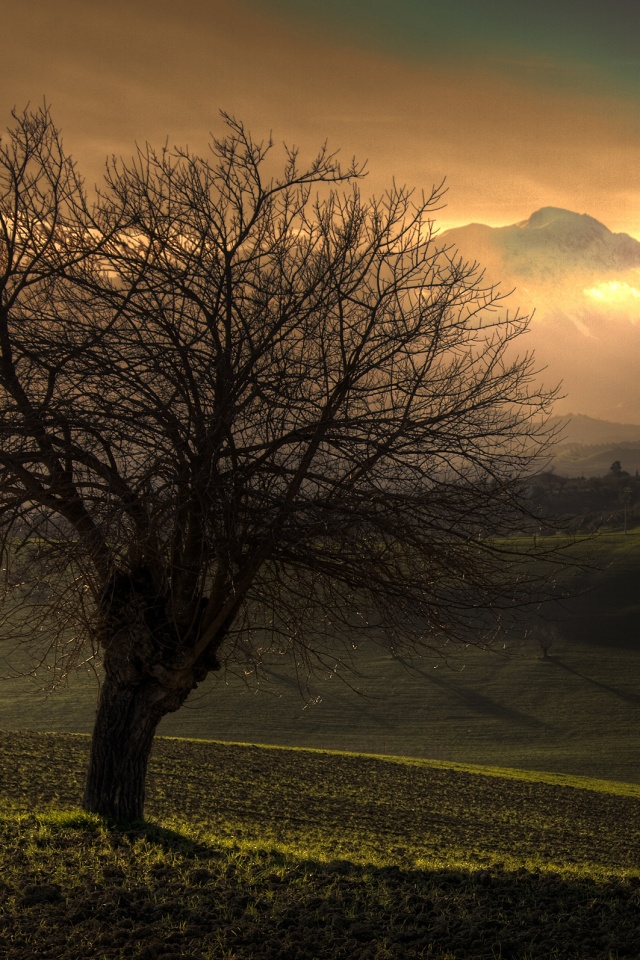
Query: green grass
[[254, 853], [577, 713]]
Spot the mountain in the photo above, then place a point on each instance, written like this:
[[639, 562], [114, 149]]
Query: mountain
[[581, 281], [549, 245]]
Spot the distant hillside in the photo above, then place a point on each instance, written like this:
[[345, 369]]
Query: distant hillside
[[580, 429], [595, 461], [587, 447]]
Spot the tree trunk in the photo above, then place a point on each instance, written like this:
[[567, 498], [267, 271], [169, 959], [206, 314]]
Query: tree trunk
[[150, 670], [123, 734]]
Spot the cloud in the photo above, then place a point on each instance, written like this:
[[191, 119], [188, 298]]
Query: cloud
[[614, 291], [615, 296]]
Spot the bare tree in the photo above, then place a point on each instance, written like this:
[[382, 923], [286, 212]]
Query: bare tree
[[545, 634], [243, 413]]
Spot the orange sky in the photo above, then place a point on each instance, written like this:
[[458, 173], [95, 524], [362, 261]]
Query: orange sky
[[508, 140]]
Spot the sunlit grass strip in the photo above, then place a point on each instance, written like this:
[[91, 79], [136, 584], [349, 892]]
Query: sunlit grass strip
[[45, 827]]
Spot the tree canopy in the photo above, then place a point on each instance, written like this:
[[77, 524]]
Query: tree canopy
[[246, 409]]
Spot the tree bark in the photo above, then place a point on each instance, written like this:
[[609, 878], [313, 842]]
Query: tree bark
[[125, 726]]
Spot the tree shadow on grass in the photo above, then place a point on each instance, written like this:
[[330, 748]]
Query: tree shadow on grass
[[271, 905], [633, 698], [479, 703], [171, 841], [346, 699]]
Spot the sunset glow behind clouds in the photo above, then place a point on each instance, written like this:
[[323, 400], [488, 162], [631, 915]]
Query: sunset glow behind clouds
[[518, 107]]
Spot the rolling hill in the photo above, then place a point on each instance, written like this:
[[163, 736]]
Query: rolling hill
[[578, 711], [587, 446]]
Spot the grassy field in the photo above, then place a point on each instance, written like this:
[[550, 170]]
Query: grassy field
[[257, 853], [254, 853], [576, 712]]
